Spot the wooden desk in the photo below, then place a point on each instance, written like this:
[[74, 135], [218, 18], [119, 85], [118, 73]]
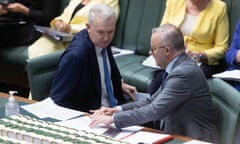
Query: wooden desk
[[18, 98], [176, 137]]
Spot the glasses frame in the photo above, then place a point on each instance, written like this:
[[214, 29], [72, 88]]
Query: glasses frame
[[153, 49]]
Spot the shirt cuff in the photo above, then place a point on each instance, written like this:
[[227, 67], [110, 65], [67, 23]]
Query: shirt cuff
[[119, 108]]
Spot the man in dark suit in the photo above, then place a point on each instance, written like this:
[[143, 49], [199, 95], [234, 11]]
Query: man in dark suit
[[183, 101], [79, 81]]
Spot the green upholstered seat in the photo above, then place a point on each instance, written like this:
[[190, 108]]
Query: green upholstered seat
[[41, 71], [137, 18], [226, 101], [237, 133]]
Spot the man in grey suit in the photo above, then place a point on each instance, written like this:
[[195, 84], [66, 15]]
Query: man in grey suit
[[183, 101]]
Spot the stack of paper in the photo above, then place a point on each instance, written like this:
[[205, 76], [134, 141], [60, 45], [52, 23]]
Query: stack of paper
[[48, 109]]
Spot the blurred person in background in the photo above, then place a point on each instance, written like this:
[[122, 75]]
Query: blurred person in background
[[17, 18]]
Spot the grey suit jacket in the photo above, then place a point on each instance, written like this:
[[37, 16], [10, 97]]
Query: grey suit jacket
[[184, 103]]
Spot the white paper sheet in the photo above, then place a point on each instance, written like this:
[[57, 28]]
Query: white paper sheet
[[146, 137], [229, 75], [196, 142], [82, 123], [48, 109], [118, 52], [150, 62]]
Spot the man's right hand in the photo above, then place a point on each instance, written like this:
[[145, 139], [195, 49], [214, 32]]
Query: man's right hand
[[104, 111]]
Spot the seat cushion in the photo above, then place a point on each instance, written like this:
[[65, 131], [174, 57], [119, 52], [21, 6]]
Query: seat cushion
[[133, 72], [12, 65]]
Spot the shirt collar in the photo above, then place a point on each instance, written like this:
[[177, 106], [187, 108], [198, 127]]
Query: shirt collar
[[170, 65], [98, 50]]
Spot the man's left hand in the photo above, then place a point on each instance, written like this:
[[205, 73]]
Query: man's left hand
[[129, 90]]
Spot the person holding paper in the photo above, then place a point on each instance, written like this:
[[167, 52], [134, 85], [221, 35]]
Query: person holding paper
[[72, 20], [87, 76], [232, 56], [183, 102], [17, 18]]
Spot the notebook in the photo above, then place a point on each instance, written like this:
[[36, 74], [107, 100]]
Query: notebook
[[57, 35]]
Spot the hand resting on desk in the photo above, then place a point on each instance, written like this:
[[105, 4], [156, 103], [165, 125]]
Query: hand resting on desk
[[103, 115]]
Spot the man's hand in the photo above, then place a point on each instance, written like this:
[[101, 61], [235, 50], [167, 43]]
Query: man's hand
[[129, 90], [102, 116], [104, 111], [100, 119]]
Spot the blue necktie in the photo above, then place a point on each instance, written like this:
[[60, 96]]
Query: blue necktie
[[164, 76], [107, 79]]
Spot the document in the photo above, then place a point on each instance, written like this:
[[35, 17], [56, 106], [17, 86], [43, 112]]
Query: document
[[48, 109], [233, 75], [82, 123], [197, 142], [150, 62], [118, 52], [148, 138], [57, 35]]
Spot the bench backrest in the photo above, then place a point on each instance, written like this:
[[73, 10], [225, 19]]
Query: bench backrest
[[137, 18], [226, 101]]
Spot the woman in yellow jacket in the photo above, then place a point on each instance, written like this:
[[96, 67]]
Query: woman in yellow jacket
[[205, 26], [72, 20]]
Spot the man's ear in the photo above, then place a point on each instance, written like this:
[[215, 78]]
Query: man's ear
[[168, 49], [87, 25]]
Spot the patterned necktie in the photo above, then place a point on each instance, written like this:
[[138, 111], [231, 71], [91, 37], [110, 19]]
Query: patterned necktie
[[108, 79], [164, 76]]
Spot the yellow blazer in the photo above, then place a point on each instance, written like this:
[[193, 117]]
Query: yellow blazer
[[211, 32], [81, 17]]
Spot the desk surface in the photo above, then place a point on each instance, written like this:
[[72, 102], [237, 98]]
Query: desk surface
[[4, 97]]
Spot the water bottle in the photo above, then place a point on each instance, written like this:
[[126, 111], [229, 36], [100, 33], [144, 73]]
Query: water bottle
[[11, 107]]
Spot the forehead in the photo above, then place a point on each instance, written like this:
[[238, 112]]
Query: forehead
[[155, 38]]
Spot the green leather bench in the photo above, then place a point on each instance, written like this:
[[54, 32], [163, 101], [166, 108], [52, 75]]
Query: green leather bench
[[226, 100], [137, 18], [133, 32]]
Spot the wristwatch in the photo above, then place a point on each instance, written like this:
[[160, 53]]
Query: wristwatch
[[200, 57]]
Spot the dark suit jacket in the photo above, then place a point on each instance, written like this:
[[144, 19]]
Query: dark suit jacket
[[77, 82], [184, 103]]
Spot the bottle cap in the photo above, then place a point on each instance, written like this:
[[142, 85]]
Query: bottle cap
[[11, 98]]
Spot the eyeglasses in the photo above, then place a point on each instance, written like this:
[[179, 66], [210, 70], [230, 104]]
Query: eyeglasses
[[153, 49]]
